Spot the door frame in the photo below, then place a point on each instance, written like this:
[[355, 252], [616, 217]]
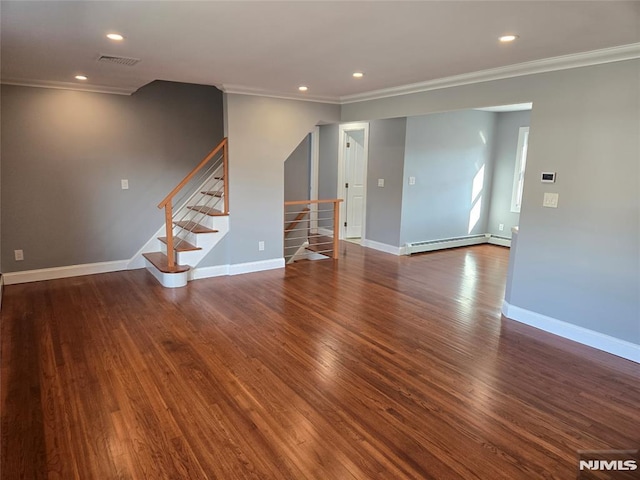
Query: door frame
[[315, 176], [342, 174]]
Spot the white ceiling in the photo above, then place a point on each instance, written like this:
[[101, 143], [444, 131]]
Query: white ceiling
[[273, 47]]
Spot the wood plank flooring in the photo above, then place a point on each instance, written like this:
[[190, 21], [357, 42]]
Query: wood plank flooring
[[371, 367]]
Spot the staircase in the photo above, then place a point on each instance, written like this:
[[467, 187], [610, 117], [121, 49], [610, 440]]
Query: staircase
[[196, 219], [309, 228]]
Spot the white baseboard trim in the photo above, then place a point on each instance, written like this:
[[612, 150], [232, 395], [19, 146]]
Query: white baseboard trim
[[325, 231], [606, 343], [237, 269], [383, 247], [27, 276], [249, 267], [208, 272]]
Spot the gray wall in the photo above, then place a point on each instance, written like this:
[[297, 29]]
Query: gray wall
[[297, 176], [328, 162], [262, 134], [579, 263], [445, 152], [65, 152], [386, 161], [504, 161], [297, 172]]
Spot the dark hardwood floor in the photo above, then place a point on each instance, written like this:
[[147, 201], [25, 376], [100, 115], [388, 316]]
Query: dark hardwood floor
[[372, 367]]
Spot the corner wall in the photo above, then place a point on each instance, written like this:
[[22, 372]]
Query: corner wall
[[262, 134]]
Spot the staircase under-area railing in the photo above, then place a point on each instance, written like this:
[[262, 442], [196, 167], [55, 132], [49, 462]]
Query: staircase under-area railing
[[196, 217], [311, 229]]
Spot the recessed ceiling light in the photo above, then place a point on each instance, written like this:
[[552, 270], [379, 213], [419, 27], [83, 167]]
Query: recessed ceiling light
[[358, 75], [81, 77], [302, 88], [115, 36], [507, 38]]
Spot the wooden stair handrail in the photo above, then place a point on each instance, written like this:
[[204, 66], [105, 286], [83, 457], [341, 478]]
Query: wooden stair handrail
[[191, 174], [312, 202]]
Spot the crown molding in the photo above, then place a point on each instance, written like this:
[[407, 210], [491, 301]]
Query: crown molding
[[70, 86], [244, 90], [564, 62]]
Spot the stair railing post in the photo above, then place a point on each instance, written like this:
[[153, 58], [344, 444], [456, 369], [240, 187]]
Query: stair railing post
[[168, 218], [225, 162], [336, 227]]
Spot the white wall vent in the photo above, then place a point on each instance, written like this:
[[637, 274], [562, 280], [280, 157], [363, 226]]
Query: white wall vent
[[129, 62]]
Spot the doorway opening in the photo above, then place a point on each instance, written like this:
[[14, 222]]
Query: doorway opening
[[353, 152]]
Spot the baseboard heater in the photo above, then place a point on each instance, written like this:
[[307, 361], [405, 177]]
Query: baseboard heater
[[428, 246], [499, 240]]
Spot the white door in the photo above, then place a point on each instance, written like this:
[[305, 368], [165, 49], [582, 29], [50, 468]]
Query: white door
[[355, 178]]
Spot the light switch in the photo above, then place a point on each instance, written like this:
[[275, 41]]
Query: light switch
[[412, 180], [381, 182], [550, 200], [125, 184]]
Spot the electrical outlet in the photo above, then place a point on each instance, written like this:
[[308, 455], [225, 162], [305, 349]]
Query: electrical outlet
[[19, 255], [412, 180], [125, 184], [381, 182], [261, 245], [501, 227]]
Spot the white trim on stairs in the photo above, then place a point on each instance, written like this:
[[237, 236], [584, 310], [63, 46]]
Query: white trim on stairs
[[138, 261], [582, 335], [168, 280]]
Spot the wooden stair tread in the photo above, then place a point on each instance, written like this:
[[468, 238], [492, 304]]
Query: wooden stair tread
[[321, 244], [212, 212], [213, 193], [161, 262], [180, 245], [194, 227]]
